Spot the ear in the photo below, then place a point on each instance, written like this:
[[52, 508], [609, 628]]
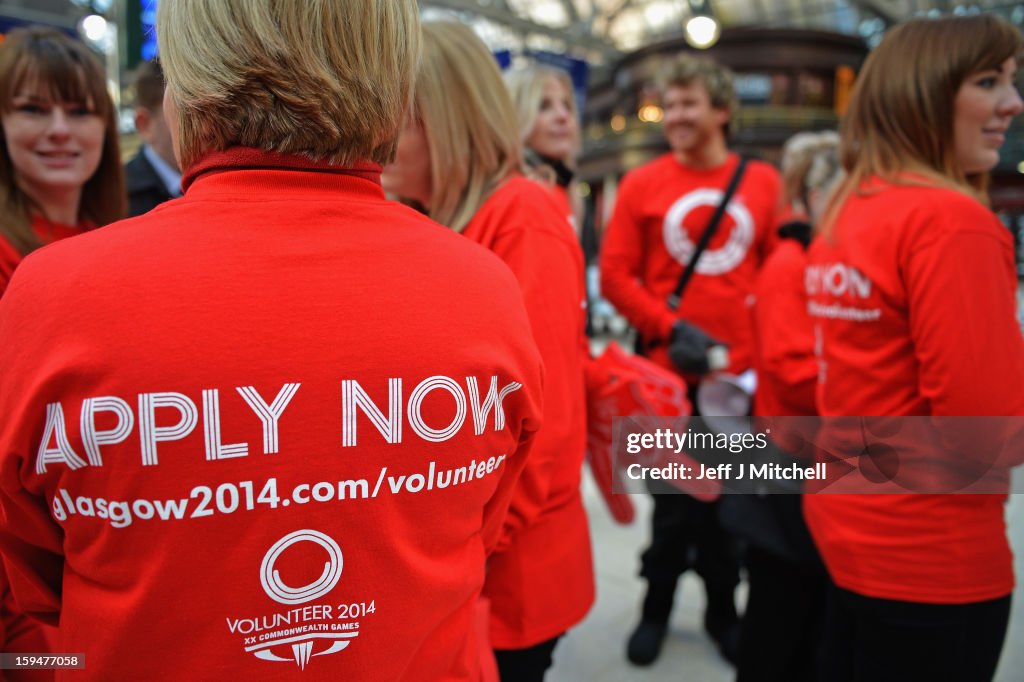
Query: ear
[[722, 117]]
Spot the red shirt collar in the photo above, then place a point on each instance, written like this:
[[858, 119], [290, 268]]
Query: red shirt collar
[[249, 158]]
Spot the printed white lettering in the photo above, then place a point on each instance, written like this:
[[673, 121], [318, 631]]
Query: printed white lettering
[[354, 397], [836, 279], [150, 434], [269, 414], [62, 453], [93, 438], [416, 404], [211, 427]]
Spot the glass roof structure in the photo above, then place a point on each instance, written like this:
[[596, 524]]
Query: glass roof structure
[[602, 30]]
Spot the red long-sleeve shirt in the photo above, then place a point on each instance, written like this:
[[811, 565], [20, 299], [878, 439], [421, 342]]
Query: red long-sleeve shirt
[[661, 210], [542, 581], [915, 299], [249, 434], [787, 369]]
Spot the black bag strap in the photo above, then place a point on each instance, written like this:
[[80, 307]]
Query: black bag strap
[[709, 232]]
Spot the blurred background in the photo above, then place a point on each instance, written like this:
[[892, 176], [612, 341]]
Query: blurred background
[[796, 61]]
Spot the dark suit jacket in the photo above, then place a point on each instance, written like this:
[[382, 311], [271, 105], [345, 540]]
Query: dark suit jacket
[[145, 189]]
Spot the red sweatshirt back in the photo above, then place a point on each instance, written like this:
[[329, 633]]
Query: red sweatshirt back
[[915, 299], [248, 435]]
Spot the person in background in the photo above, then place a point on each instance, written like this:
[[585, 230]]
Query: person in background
[[60, 164], [549, 128], [152, 176], [459, 158], [781, 626], [239, 441], [60, 175], [912, 286], [661, 212]]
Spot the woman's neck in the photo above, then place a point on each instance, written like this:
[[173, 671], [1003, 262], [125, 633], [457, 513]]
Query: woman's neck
[[59, 206]]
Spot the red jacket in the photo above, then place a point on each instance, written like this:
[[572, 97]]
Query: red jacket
[[248, 433], [915, 299], [542, 582], [661, 210]]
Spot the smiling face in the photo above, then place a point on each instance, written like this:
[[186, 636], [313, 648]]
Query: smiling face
[[691, 122], [54, 146], [554, 130], [985, 105]]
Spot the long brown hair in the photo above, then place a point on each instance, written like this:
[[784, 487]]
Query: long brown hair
[[901, 113], [72, 74]]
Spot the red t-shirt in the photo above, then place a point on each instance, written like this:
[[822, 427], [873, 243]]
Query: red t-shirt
[[47, 231], [542, 581], [787, 369], [661, 211], [272, 425], [915, 300]]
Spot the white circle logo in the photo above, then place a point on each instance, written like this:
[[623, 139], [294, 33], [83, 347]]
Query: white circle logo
[[283, 594], [712, 261]]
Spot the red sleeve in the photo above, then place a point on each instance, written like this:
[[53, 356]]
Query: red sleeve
[[503, 511], [19, 634], [31, 543], [30, 540], [511, 505], [962, 305], [549, 270], [962, 308], [623, 253]]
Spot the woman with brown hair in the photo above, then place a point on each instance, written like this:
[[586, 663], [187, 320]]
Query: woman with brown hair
[[60, 163], [459, 158], [60, 174], [913, 289]]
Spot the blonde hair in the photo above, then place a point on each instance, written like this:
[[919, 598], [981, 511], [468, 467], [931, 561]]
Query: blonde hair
[[527, 88], [717, 80], [810, 161], [901, 113], [72, 73], [468, 119], [328, 79]]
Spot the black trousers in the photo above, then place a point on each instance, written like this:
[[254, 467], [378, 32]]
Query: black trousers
[[881, 640], [781, 635], [686, 533], [526, 665]]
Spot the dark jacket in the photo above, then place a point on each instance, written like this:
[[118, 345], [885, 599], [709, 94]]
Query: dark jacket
[[145, 189]]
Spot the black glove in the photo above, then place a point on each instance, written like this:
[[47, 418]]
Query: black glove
[[688, 348]]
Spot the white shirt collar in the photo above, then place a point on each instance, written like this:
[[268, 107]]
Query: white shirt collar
[[168, 176]]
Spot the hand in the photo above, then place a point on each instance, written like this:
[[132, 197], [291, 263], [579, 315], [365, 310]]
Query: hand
[[688, 348]]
